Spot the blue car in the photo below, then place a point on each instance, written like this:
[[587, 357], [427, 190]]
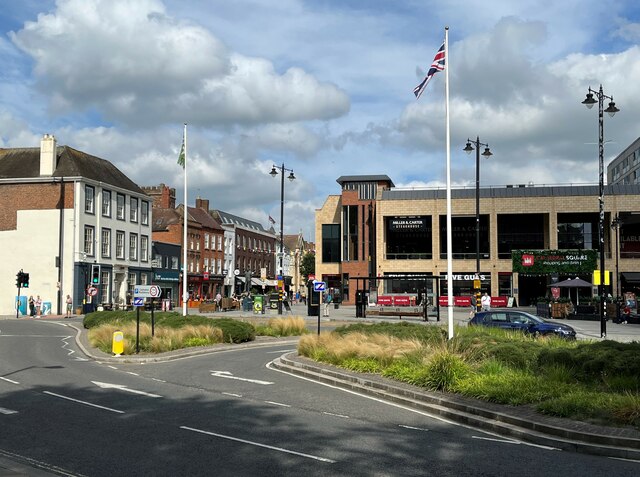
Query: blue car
[[522, 321]]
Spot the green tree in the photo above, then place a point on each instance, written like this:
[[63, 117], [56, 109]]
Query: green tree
[[308, 265]]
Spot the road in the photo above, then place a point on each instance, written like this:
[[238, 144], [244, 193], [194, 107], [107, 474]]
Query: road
[[228, 413]]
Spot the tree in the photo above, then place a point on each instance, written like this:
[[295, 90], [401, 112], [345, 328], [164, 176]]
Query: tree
[[308, 265]]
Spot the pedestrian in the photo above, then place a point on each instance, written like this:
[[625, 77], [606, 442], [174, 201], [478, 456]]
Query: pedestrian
[[69, 302], [473, 305], [39, 305], [218, 301], [32, 306], [485, 302], [327, 302]]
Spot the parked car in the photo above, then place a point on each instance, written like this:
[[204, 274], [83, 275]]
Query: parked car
[[522, 321]]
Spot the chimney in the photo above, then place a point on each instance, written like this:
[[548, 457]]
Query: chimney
[[202, 204], [48, 156]]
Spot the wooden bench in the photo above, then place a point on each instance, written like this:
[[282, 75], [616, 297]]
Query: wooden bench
[[398, 311]]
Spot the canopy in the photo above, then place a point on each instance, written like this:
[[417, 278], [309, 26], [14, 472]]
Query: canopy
[[576, 282]]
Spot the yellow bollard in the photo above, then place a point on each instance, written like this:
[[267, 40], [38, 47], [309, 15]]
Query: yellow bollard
[[117, 345]]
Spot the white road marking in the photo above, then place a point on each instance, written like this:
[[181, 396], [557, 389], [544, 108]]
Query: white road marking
[[505, 440], [281, 351], [122, 387], [400, 406], [228, 375], [112, 367], [265, 446], [4, 410], [414, 428], [39, 465], [278, 404], [9, 380], [335, 415], [134, 374], [159, 380], [233, 394], [82, 402]]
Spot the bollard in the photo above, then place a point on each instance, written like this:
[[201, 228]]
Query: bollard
[[117, 345]]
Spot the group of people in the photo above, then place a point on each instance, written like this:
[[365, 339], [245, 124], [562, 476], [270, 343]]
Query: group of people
[[485, 303], [36, 306]]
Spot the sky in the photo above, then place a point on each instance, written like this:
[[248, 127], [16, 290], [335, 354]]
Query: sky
[[323, 87]]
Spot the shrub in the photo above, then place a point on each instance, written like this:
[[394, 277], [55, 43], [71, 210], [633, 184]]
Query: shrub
[[403, 330], [445, 370]]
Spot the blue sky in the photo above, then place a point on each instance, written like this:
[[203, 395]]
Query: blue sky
[[324, 87]]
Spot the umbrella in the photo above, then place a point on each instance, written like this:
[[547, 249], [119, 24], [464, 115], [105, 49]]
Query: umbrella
[[575, 283]]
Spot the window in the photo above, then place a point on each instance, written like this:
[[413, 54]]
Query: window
[[133, 246], [106, 203], [206, 265], [133, 209], [120, 206], [350, 231], [120, 244], [158, 258], [144, 248], [105, 288], [89, 196], [206, 241], [144, 279], [331, 243], [174, 263], [89, 232], [218, 266], [144, 212], [106, 243], [131, 284], [219, 242]]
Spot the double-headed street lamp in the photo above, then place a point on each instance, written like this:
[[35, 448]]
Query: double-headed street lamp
[[291, 177], [471, 145], [611, 110]]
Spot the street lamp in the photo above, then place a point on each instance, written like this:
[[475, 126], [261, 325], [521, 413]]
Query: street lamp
[[471, 145], [616, 223], [611, 110], [291, 177]]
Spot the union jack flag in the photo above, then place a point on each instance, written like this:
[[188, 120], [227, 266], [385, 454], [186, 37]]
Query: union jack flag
[[437, 65]]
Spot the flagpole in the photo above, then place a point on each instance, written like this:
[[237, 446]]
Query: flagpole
[[448, 146], [185, 219]]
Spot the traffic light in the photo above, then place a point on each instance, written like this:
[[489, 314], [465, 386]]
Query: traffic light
[[95, 274], [25, 280], [19, 280]]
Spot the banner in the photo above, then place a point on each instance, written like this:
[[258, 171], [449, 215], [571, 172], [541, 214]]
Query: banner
[[554, 261]]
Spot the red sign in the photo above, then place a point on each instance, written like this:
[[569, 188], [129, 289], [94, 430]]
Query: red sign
[[401, 301], [92, 291], [385, 300], [555, 292], [496, 301], [527, 260], [205, 276]]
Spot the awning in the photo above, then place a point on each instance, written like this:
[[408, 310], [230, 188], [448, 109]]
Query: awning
[[631, 277], [259, 282]]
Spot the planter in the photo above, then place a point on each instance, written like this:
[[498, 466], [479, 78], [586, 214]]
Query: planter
[[207, 308]]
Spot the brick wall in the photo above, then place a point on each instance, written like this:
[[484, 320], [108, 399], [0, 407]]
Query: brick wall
[[38, 196]]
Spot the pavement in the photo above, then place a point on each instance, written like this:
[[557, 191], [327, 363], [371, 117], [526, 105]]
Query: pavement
[[522, 423]]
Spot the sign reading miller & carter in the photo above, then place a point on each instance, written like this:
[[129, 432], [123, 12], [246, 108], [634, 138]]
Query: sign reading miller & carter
[[554, 261]]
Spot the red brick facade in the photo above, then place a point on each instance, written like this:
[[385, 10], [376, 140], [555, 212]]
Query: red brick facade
[[34, 196]]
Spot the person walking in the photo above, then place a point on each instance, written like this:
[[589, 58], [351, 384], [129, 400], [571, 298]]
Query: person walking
[[486, 302], [327, 302], [39, 306], [69, 303], [473, 305]]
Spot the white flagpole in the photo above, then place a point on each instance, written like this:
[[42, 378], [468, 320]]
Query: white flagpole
[[448, 146], [185, 219]]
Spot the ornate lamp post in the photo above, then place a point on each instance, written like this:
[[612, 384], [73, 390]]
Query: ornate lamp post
[[611, 110], [471, 145], [291, 177]]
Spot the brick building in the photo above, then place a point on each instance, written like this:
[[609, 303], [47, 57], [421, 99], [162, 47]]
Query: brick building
[[70, 219], [374, 230]]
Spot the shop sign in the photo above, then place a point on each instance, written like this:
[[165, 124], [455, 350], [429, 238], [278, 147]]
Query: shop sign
[[554, 261], [407, 223], [166, 277]]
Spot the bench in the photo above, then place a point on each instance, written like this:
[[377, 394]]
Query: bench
[[398, 311]]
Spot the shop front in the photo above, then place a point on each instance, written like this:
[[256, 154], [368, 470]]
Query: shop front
[[169, 283]]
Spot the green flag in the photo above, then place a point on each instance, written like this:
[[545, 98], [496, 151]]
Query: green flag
[[181, 156]]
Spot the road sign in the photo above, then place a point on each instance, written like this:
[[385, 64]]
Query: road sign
[[319, 286], [312, 277], [92, 291], [205, 276], [138, 301], [147, 291]]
